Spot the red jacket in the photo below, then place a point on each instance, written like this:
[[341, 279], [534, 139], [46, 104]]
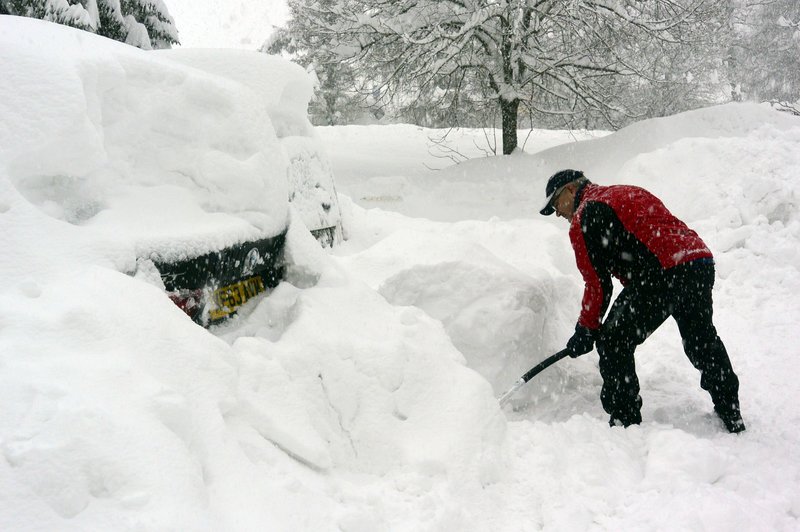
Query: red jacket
[[627, 232]]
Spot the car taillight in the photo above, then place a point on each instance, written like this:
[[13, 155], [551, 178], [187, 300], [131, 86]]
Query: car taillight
[[189, 301]]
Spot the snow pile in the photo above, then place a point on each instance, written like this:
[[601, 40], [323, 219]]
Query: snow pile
[[136, 147], [502, 281], [513, 187], [393, 168], [285, 89], [119, 412], [412, 263], [359, 394]]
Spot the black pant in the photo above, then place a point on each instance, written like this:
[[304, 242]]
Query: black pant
[[684, 293]]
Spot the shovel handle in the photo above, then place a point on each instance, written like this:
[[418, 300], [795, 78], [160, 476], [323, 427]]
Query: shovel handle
[[531, 373], [544, 364]]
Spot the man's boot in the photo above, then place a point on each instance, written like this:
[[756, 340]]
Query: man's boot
[[731, 418]]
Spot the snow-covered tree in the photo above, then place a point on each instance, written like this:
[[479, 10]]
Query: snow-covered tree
[[148, 23], [145, 24], [337, 99], [545, 56], [765, 57], [71, 13]]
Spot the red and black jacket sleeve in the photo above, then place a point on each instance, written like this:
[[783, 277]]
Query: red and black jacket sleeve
[[589, 239]]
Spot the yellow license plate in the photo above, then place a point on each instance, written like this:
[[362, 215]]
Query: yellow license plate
[[229, 298]]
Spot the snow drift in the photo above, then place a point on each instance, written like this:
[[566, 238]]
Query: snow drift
[[121, 413]]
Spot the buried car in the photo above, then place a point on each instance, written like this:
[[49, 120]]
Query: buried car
[[211, 287], [189, 170]]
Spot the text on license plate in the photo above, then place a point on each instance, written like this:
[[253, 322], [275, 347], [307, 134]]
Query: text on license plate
[[228, 298]]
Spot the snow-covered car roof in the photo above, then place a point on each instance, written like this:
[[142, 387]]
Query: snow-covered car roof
[[285, 90], [139, 145]]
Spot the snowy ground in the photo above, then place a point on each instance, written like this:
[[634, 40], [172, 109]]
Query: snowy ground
[[501, 281], [360, 394]]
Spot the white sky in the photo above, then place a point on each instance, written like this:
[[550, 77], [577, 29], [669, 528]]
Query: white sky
[[242, 24]]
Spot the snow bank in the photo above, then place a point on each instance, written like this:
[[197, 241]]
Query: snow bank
[[605, 157], [494, 294], [120, 413], [502, 281], [513, 187], [285, 89], [392, 170], [100, 134]]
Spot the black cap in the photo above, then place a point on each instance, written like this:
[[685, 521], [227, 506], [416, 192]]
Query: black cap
[[556, 181]]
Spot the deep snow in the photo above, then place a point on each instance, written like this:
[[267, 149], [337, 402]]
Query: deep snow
[[502, 281], [360, 394]]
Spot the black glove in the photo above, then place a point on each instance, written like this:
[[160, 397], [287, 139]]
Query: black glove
[[581, 342]]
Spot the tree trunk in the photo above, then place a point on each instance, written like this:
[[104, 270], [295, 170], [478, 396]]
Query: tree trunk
[[508, 109]]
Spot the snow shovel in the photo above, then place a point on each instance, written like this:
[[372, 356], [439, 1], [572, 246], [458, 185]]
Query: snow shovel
[[535, 370]]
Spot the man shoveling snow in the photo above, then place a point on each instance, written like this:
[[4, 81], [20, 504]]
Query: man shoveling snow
[[665, 269]]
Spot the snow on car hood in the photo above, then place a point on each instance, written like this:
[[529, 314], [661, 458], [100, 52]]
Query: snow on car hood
[[169, 159]]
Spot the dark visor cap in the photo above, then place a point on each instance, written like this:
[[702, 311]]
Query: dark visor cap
[[554, 184]]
